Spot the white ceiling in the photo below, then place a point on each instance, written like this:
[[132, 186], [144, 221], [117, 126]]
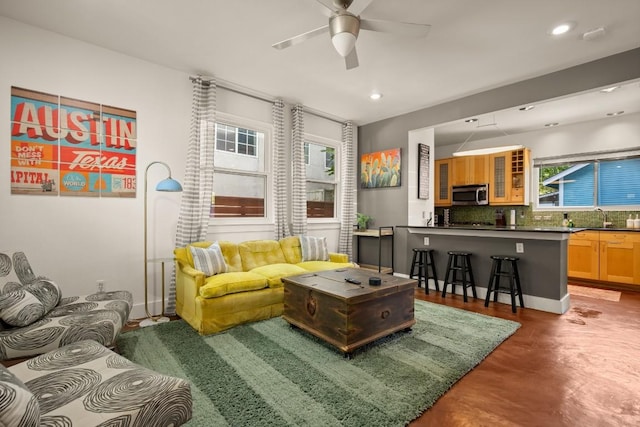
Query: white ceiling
[[472, 46]]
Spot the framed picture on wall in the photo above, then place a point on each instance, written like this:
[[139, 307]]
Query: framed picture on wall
[[423, 171], [380, 169]]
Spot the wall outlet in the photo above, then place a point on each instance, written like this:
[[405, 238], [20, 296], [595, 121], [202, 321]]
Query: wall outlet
[[520, 248], [100, 285], [426, 241]]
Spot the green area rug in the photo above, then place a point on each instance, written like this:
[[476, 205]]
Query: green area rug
[[269, 374]]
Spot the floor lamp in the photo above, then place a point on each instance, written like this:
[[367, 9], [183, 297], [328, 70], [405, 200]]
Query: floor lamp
[[171, 185]]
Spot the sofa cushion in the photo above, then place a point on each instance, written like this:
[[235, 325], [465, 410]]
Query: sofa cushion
[[314, 248], [25, 305], [275, 272], [258, 253], [291, 249], [323, 265], [18, 406], [208, 260], [230, 283], [229, 252]]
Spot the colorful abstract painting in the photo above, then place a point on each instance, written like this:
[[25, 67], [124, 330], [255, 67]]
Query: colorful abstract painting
[[380, 169]]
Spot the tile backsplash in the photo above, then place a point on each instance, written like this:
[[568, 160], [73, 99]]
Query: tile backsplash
[[525, 215]]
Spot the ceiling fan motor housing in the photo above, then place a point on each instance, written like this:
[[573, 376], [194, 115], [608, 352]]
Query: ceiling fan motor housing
[[344, 22]]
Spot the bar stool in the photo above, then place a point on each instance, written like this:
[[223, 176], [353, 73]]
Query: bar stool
[[422, 260], [511, 271], [459, 263]]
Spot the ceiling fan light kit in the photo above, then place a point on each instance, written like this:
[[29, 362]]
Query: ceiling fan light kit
[[344, 29]]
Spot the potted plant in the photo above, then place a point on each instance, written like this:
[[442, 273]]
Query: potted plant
[[363, 220]]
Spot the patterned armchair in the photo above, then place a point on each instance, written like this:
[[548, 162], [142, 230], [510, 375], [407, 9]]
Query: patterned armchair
[[35, 318]]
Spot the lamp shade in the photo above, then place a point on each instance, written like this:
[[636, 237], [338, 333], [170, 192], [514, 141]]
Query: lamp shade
[[344, 43], [169, 184]]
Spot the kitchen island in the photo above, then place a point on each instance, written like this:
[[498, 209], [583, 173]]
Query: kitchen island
[[542, 265]]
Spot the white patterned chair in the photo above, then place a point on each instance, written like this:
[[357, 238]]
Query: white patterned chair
[[85, 384], [34, 318]]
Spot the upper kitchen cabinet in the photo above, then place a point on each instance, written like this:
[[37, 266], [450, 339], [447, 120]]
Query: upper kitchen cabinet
[[509, 177], [442, 184], [467, 170]]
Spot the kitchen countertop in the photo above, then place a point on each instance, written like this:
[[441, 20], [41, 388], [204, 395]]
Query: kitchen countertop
[[522, 228]]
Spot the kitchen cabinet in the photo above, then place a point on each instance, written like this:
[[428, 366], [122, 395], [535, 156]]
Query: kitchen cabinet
[[584, 256], [509, 177], [442, 182], [608, 256], [467, 170], [620, 257]]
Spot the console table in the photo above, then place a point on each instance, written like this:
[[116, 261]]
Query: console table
[[377, 233]]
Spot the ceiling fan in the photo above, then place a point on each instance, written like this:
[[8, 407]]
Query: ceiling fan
[[344, 25]]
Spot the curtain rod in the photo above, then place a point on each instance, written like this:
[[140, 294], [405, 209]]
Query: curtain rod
[[238, 91], [260, 98]]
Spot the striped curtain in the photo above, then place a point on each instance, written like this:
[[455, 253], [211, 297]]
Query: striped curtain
[[198, 181], [280, 170], [299, 176], [348, 191]]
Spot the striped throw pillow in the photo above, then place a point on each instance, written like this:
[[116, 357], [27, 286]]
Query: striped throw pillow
[[314, 248], [209, 260]]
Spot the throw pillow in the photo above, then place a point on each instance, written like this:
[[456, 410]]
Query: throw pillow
[[18, 406], [209, 260], [314, 248], [25, 305]]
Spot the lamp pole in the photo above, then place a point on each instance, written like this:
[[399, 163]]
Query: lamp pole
[[171, 185]]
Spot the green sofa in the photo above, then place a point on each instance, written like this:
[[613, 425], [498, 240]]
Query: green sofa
[[251, 287]]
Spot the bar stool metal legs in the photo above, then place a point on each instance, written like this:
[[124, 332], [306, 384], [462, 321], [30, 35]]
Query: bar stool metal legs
[[426, 268], [461, 273], [511, 272]]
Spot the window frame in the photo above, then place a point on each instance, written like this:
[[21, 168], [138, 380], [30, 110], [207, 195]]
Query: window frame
[[337, 178], [268, 131]]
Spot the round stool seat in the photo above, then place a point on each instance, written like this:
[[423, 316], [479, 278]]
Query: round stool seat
[[505, 257], [459, 253]]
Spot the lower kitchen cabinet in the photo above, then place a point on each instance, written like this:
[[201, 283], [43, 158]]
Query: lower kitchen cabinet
[[607, 256], [584, 255]]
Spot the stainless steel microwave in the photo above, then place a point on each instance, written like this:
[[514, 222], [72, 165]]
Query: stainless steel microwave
[[470, 195]]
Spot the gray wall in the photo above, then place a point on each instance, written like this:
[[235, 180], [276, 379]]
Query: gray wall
[[389, 206]]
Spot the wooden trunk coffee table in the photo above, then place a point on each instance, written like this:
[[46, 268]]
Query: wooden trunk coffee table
[[348, 315]]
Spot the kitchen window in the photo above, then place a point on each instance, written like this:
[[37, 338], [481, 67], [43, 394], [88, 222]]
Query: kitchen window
[[241, 172], [612, 182]]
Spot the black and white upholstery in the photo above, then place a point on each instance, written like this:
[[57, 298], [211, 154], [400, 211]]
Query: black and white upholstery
[[85, 384], [35, 318]]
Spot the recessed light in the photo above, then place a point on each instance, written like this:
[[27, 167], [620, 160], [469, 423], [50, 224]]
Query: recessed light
[[617, 113], [609, 89], [471, 120], [561, 29], [550, 125], [527, 108], [375, 96]]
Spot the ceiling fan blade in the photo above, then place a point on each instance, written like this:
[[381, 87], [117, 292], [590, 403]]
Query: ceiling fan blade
[[358, 6], [328, 7], [351, 60], [401, 28], [301, 37]]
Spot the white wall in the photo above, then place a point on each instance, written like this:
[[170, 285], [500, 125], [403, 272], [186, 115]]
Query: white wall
[[598, 135], [419, 210], [78, 240]]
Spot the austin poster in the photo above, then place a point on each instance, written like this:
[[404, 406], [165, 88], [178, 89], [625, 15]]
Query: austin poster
[[63, 146]]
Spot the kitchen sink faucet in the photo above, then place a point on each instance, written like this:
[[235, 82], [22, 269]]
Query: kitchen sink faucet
[[605, 223]]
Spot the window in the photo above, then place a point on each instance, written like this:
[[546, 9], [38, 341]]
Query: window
[[241, 177], [597, 183], [322, 182]]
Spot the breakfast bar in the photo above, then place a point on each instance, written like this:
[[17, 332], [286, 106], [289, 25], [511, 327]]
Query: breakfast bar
[[542, 252]]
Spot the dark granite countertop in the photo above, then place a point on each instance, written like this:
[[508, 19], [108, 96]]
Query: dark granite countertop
[[524, 228]]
